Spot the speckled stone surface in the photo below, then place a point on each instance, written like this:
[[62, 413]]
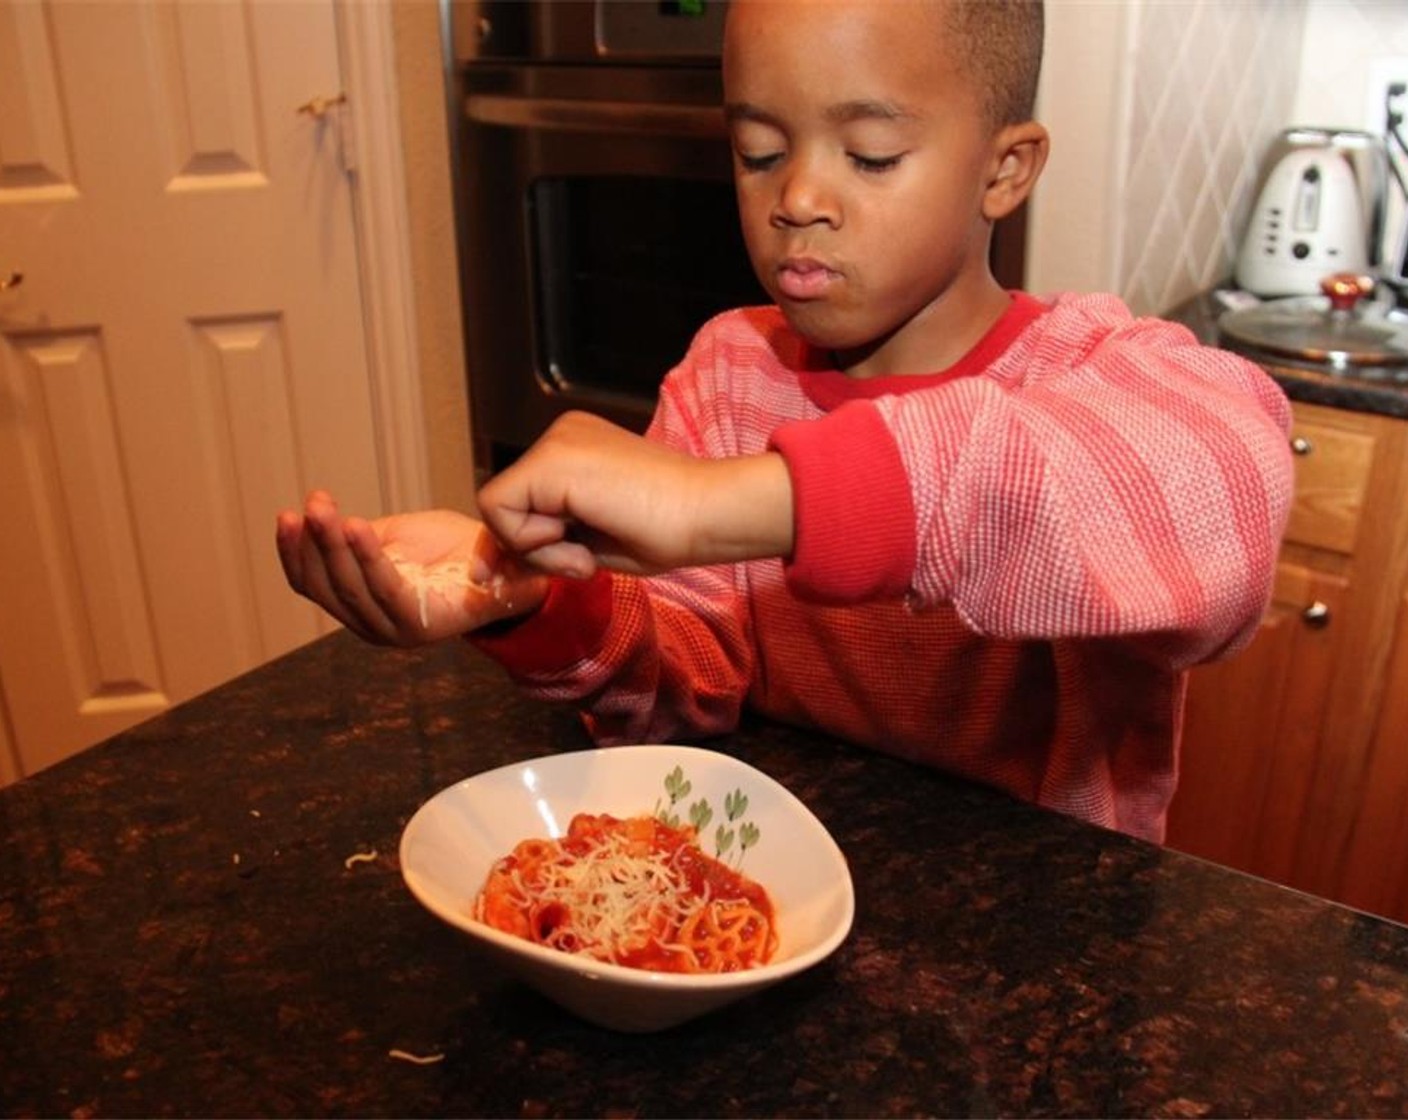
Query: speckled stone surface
[[180, 935], [1378, 389]]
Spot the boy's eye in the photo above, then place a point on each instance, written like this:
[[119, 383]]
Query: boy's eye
[[875, 163], [758, 162]]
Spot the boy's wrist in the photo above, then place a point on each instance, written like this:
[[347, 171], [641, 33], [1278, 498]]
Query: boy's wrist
[[745, 509], [567, 626]]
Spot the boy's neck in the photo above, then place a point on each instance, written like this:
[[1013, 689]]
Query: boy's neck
[[935, 338]]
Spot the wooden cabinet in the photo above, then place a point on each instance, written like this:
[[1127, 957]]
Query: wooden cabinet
[[1295, 752], [1252, 729], [1375, 873]]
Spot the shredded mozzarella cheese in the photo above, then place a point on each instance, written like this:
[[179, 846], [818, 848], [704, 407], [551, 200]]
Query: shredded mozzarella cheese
[[617, 900], [443, 579]]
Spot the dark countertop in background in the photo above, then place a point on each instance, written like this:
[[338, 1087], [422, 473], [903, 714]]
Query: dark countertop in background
[[1367, 389], [180, 935]]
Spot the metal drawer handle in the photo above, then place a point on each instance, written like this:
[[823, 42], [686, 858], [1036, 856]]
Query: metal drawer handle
[[1316, 616], [1302, 446]]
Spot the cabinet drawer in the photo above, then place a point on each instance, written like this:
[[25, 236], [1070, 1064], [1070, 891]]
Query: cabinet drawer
[[1332, 461]]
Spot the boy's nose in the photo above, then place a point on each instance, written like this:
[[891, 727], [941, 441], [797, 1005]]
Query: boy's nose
[[805, 199]]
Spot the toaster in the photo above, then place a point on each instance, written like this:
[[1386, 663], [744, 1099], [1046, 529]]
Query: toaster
[[1319, 211]]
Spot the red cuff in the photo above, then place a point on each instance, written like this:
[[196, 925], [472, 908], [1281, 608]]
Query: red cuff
[[569, 627], [854, 514]]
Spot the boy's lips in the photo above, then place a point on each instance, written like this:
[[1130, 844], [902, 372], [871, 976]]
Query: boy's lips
[[804, 277]]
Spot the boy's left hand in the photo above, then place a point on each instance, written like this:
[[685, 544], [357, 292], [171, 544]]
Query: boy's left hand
[[379, 578], [589, 493]]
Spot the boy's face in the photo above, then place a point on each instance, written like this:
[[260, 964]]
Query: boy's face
[[861, 158]]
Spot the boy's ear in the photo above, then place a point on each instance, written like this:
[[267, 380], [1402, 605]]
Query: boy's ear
[[1019, 154]]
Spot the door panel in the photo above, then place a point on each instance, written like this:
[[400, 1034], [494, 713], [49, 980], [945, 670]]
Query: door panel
[[34, 144], [73, 471], [204, 87]]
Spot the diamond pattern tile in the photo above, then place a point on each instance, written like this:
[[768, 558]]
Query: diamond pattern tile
[[1211, 84]]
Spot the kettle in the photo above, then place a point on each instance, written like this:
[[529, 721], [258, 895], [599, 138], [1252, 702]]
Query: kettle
[[1320, 210]]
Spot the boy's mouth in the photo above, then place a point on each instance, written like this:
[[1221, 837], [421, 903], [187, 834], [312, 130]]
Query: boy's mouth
[[804, 278]]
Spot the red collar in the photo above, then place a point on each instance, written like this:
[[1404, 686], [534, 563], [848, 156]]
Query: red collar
[[830, 388]]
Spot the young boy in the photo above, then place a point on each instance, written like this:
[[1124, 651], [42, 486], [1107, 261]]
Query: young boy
[[971, 527]]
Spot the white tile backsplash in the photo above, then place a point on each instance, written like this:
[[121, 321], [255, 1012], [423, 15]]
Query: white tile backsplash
[[1345, 41], [1180, 101], [1342, 40], [1209, 85]]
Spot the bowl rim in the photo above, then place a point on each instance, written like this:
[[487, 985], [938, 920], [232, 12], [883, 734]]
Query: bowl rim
[[591, 968]]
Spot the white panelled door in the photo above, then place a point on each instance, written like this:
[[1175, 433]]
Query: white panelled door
[[183, 354]]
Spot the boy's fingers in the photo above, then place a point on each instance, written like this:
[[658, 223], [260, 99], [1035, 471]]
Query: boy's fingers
[[317, 586], [488, 556], [313, 552], [523, 530], [563, 558], [339, 575], [384, 583], [288, 532]]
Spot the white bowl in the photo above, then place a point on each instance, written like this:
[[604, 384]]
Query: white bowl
[[450, 843]]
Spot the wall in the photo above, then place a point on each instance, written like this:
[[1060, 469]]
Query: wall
[[1344, 40], [1068, 230], [1160, 114], [425, 142]]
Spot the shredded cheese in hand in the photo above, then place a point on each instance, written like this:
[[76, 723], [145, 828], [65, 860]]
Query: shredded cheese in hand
[[444, 579]]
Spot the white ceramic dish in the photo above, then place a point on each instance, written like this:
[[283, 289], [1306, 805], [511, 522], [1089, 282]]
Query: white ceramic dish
[[450, 843]]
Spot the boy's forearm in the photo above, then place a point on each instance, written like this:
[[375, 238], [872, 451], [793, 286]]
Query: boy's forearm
[[745, 509], [589, 493]]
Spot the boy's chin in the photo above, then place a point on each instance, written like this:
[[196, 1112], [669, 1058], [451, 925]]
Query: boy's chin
[[821, 328]]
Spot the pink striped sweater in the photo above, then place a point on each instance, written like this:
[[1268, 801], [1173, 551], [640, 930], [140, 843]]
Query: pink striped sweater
[[1002, 569]]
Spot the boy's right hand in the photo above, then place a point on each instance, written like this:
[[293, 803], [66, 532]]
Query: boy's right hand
[[590, 494], [364, 573]]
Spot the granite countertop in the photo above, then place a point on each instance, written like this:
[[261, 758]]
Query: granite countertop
[[1374, 389], [180, 934]]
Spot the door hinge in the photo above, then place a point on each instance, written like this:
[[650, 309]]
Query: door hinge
[[334, 108]]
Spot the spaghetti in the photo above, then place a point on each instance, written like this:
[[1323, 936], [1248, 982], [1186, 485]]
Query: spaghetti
[[634, 892]]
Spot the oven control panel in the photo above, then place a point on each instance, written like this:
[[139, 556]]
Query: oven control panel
[[627, 32]]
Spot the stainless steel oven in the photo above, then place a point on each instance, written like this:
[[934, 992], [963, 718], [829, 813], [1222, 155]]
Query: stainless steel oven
[[597, 220]]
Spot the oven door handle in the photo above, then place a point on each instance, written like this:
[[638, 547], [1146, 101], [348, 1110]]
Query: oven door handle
[[619, 117]]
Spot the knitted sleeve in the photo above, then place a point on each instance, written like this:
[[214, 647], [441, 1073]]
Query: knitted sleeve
[[646, 659], [1109, 477]]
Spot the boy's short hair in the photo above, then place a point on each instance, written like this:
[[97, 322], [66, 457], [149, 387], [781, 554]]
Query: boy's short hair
[[1000, 43]]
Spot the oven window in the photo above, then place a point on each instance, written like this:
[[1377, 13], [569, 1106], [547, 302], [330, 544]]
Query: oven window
[[626, 270]]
